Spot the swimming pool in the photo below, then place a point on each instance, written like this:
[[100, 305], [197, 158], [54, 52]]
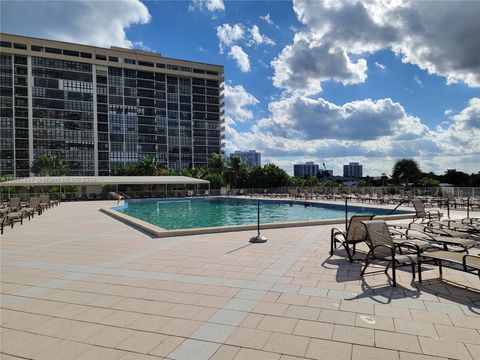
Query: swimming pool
[[174, 214]]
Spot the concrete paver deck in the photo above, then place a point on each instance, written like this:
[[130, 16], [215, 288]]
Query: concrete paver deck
[[78, 284]]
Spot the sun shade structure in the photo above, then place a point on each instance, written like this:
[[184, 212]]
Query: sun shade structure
[[104, 180]]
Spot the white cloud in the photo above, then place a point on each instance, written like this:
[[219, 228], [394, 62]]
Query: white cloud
[[237, 53], [267, 19], [210, 5], [380, 66], [141, 46], [228, 34], [305, 64], [418, 81], [100, 23], [414, 30], [237, 101], [258, 38], [305, 118], [374, 132]]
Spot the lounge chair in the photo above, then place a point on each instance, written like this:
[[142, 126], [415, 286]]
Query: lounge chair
[[13, 217], [355, 234], [44, 202], [436, 227], [33, 207], [416, 234], [423, 214], [384, 249], [14, 204], [468, 263]]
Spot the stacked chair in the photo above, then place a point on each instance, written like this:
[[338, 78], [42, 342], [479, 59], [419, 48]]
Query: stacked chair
[[14, 211]]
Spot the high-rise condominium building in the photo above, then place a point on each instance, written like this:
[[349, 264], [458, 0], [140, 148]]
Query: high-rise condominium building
[[99, 108], [251, 158], [353, 169], [304, 170]]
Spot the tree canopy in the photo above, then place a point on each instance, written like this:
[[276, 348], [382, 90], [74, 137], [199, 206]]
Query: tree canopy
[[406, 171], [49, 165]]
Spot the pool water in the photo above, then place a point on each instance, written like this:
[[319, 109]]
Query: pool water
[[173, 214]]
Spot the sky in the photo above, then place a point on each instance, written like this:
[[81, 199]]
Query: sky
[[326, 81]]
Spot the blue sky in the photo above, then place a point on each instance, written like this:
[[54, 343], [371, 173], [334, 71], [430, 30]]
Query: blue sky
[[324, 81]]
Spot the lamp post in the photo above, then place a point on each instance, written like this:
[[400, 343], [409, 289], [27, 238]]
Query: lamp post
[[259, 238]]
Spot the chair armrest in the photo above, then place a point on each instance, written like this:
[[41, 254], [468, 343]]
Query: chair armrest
[[409, 245], [337, 231], [464, 261], [391, 248]]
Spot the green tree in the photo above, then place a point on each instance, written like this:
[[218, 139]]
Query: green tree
[[216, 180], [296, 181], [147, 166], [429, 182], [49, 165], [405, 171], [275, 176], [236, 172], [311, 181], [457, 178], [216, 164]]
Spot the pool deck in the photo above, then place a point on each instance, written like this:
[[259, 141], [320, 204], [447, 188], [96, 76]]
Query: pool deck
[[79, 284]]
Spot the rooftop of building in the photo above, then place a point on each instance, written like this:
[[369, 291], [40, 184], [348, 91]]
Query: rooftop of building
[[114, 50]]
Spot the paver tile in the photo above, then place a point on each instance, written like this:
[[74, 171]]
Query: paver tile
[[459, 334], [444, 348], [213, 332], [63, 350], [100, 352], [287, 344], [250, 338], [141, 342], [415, 328], [167, 346], [388, 340], [194, 349], [277, 324], [371, 353], [337, 317], [326, 349], [353, 335], [302, 312], [250, 354], [314, 329], [180, 327]]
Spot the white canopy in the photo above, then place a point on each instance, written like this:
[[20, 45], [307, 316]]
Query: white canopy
[[104, 180]]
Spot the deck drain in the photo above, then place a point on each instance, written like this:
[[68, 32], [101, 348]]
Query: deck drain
[[367, 319]]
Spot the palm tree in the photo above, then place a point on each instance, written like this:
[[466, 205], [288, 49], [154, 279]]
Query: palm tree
[[236, 172], [147, 166], [49, 165], [216, 164], [406, 170]]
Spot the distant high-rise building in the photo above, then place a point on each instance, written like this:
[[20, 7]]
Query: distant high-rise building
[[251, 158], [304, 170], [353, 169], [99, 108]]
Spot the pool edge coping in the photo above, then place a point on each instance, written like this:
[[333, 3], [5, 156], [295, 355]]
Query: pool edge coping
[[159, 232]]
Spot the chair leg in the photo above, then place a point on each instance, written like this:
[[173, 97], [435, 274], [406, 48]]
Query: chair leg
[[419, 271], [367, 262], [331, 246], [440, 267], [394, 275], [413, 270]]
